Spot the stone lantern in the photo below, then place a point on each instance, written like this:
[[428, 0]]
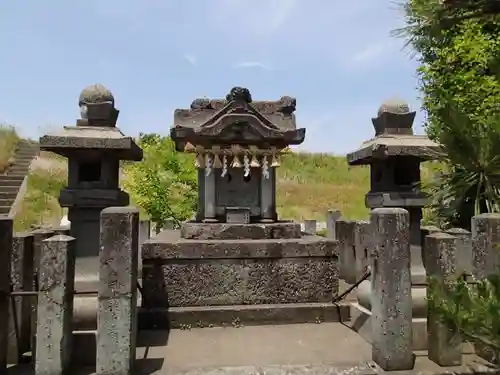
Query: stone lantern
[[94, 149], [394, 156]]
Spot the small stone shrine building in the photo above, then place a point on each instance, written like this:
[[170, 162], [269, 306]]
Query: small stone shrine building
[[94, 149], [237, 252], [394, 156], [237, 149]]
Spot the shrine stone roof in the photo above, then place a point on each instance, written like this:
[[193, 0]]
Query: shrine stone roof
[[238, 119]]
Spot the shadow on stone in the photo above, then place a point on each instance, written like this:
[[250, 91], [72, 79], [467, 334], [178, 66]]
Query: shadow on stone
[[149, 366]]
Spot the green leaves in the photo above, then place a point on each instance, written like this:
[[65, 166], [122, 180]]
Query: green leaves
[[471, 308], [164, 183], [460, 88]]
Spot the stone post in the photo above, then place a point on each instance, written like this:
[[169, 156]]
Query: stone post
[[331, 217], [22, 279], [144, 235], [55, 306], [391, 303], [485, 241], [424, 232], [464, 249], [362, 246], [347, 251], [267, 196], [39, 235], [310, 226], [444, 345], [117, 311], [5, 254], [210, 196]]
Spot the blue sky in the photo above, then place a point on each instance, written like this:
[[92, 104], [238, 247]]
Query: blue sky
[[336, 57]]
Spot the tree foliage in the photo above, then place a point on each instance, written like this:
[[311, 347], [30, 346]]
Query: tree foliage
[[471, 309], [461, 90], [164, 183], [458, 48]]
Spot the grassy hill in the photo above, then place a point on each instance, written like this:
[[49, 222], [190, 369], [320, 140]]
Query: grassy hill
[[308, 185]]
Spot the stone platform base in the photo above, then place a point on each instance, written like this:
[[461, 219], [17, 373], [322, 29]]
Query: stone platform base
[[361, 323], [242, 315], [179, 272]]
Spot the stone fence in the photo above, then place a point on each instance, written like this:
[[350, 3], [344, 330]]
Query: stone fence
[[37, 290], [36, 312], [381, 245]]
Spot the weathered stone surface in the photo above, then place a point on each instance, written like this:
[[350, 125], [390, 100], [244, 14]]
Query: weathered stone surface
[[91, 138], [331, 217], [464, 249], [362, 245], [485, 240], [169, 245], [22, 279], [5, 258], [424, 232], [55, 306], [225, 231], [391, 285], [310, 226], [345, 230], [39, 235], [240, 281], [244, 315], [444, 345], [117, 314]]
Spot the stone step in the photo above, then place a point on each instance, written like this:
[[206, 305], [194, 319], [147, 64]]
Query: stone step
[[8, 194], [4, 210], [246, 315], [6, 202], [7, 178], [23, 166], [22, 171], [24, 155], [9, 189], [11, 182]]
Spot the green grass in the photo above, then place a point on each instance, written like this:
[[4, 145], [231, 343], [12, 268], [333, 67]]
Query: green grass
[[307, 186], [310, 184], [8, 143]]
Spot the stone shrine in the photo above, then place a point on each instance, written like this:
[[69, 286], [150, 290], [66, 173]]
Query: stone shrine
[[394, 157], [94, 148], [237, 252]]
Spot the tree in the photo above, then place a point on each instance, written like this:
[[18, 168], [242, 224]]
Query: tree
[[471, 310], [461, 92], [458, 46], [164, 183]]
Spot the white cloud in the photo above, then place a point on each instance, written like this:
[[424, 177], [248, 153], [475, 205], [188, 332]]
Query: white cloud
[[252, 65], [374, 51], [253, 17], [191, 59]]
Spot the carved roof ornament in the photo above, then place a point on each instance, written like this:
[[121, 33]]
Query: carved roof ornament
[[239, 94], [237, 119], [394, 117], [97, 107]]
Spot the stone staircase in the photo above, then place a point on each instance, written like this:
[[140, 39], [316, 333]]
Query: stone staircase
[[12, 180]]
